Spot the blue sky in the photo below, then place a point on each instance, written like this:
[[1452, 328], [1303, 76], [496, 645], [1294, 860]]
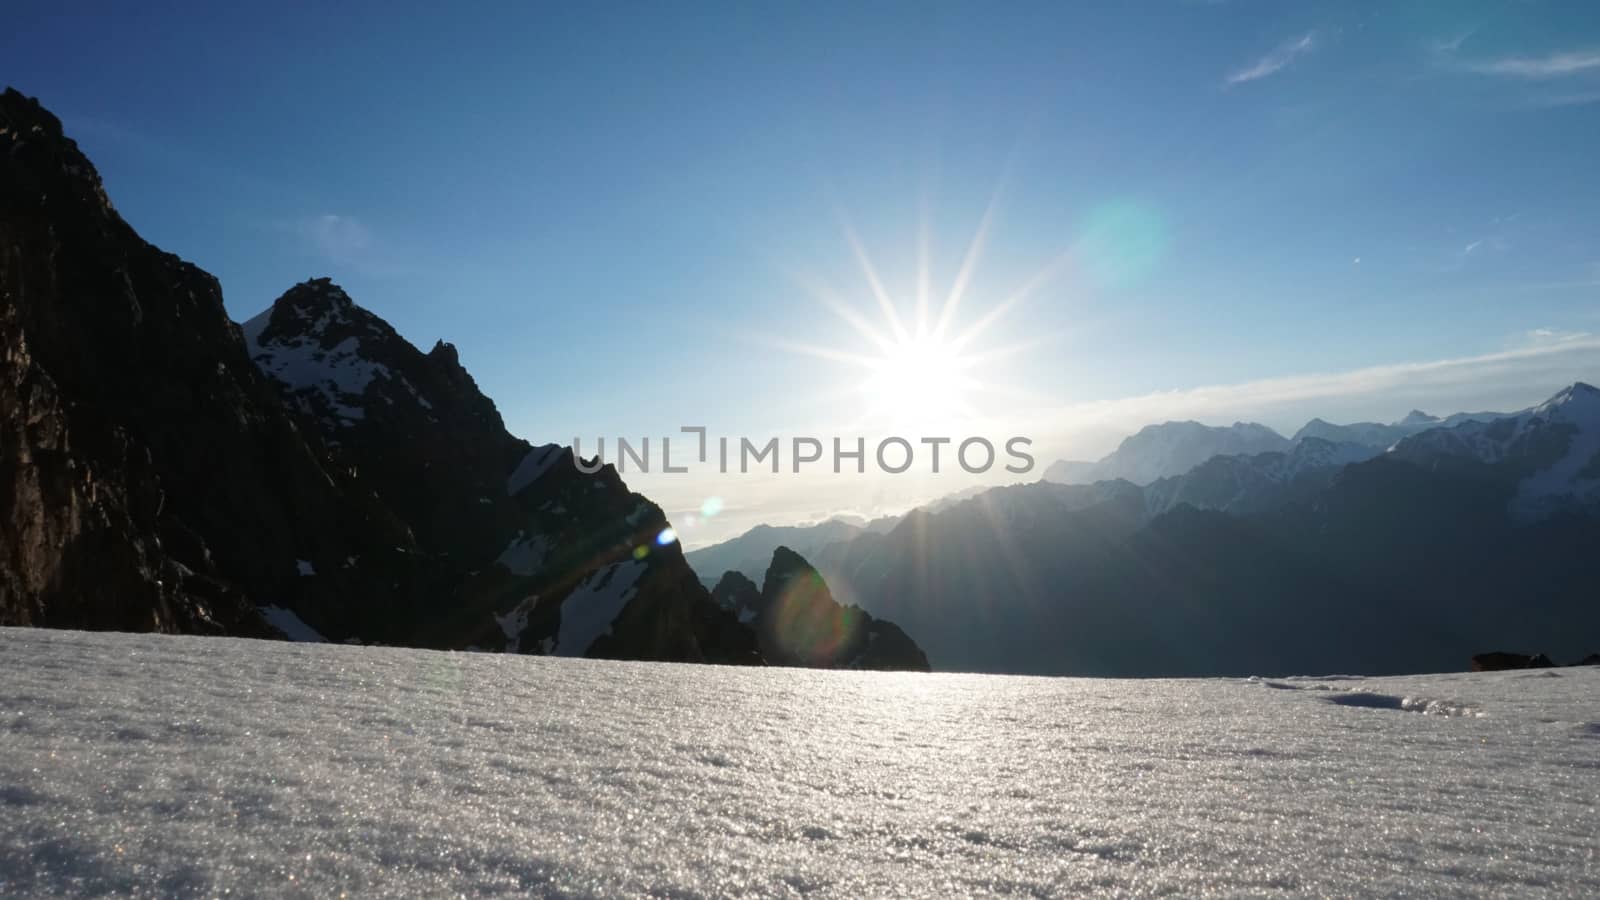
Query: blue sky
[[615, 211]]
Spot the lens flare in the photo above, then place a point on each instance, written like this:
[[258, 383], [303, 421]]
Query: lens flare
[[667, 536], [810, 625], [1121, 243]]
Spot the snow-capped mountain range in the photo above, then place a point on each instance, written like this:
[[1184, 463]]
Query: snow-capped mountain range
[[1170, 448], [1475, 531], [1173, 448], [1553, 449]]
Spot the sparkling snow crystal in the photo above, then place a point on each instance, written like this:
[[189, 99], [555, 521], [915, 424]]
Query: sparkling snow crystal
[[153, 766]]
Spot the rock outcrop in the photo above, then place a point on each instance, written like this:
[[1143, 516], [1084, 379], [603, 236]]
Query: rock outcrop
[[1500, 661], [799, 623]]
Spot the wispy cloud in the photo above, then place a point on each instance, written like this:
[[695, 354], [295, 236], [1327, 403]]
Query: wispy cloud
[[1452, 43], [347, 243], [340, 238], [1536, 364], [1545, 336], [1273, 62], [1553, 65], [1483, 246]]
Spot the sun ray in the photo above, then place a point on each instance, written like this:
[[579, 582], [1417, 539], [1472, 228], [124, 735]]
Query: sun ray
[[924, 252], [890, 314], [1005, 351], [831, 300], [828, 353], [969, 264], [999, 310]]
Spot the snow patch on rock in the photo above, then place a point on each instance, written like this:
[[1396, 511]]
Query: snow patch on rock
[[524, 555], [535, 463], [513, 623], [593, 605], [293, 627]]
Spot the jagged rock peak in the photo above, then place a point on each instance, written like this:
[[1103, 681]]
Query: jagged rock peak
[[316, 295], [445, 352], [786, 562], [59, 175], [1417, 417], [21, 110], [318, 310], [732, 586]]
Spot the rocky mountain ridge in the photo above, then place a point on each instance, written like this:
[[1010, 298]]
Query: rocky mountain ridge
[[310, 474]]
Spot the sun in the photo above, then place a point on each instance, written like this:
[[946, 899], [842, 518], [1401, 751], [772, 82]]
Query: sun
[[920, 381], [919, 362]]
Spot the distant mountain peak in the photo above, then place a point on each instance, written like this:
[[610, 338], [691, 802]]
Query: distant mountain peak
[[1417, 417], [1170, 448], [1580, 397]]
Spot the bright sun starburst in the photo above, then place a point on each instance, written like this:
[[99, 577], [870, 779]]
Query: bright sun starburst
[[918, 380], [922, 373]]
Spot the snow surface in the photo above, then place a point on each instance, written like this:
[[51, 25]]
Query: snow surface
[[178, 766], [340, 374]]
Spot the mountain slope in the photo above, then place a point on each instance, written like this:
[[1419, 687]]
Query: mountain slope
[[1551, 452], [539, 556], [351, 488], [154, 481], [750, 553], [1379, 436], [1168, 449], [1241, 484], [1171, 449], [1409, 561]]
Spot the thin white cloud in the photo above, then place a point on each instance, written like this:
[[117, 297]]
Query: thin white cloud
[[1539, 336], [1273, 62], [1541, 362], [340, 238], [347, 243], [1451, 44], [1553, 65]]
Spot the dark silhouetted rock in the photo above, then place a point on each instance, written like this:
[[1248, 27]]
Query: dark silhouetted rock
[[800, 624], [1500, 661], [313, 474]]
